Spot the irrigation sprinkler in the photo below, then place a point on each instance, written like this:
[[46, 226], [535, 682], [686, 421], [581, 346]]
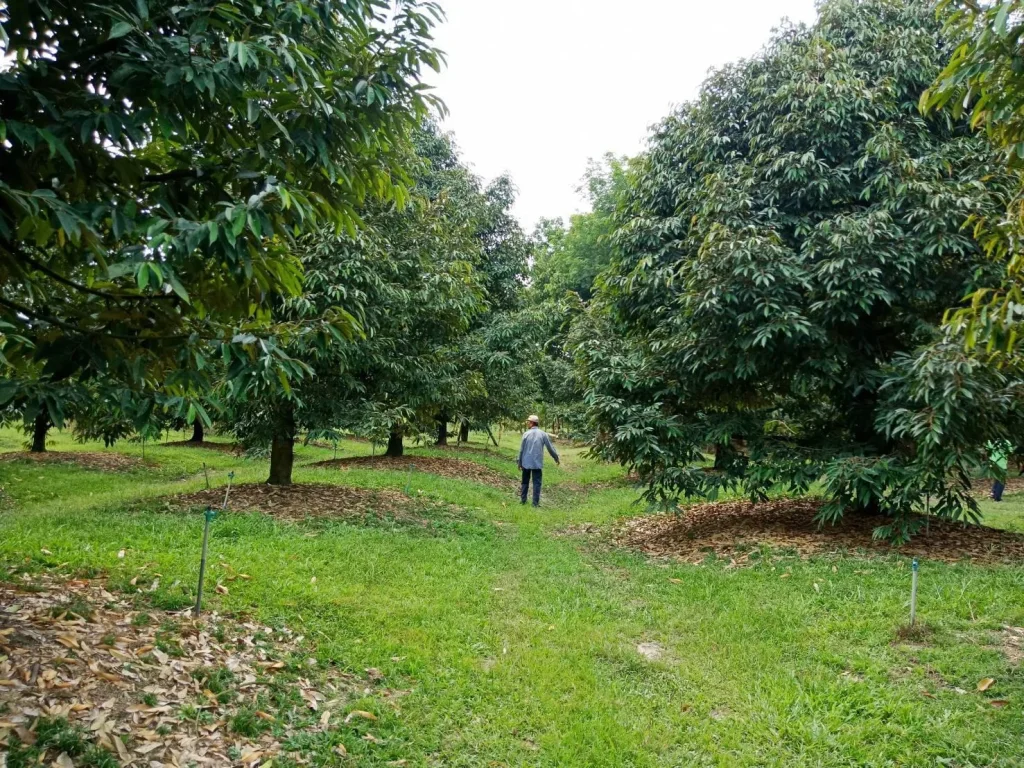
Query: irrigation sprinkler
[[913, 592], [231, 476], [208, 517], [408, 480]]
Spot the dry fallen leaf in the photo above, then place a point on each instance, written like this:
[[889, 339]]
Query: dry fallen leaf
[[120, 554], [46, 552], [359, 713], [986, 683], [340, 749], [999, 703], [63, 761], [221, 589]]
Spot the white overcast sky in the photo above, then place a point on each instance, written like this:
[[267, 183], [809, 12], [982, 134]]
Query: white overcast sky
[[535, 87]]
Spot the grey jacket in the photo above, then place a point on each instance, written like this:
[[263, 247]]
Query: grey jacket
[[531, 451]]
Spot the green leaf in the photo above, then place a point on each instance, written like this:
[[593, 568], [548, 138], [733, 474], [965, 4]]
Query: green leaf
[[120, 29]]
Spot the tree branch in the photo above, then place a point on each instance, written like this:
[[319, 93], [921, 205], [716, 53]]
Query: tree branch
[[47, 318], [19, 254]]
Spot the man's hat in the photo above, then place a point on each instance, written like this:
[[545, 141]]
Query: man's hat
[[534, 418]]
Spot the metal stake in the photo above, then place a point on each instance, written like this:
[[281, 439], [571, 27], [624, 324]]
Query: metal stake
[[208, 516], [408, 481], [913, 592], [231, 476], [207, 475]]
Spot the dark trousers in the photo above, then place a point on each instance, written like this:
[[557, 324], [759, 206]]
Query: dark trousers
[[997, 490], [526, 486]]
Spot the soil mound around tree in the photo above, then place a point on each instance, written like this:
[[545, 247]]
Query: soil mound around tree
[[736, 530], [83, 672], [311, 500], [483, 450], [456, 469], [105, 462], [231, 448]]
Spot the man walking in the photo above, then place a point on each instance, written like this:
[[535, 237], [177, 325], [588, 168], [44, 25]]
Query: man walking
[[531, 457]]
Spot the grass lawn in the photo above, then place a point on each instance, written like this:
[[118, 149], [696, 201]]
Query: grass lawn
[[519, 645]]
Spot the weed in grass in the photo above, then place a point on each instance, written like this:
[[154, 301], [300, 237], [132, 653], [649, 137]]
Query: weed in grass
[[108, 639], [60, 735], [141, 620], [914, 633], [76, 608], [246, 723], [218, 681], [150, 700]]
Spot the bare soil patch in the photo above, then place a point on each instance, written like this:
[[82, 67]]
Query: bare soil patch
[[106, 462], [735, 529], [232, 448], [1012, 642], [311, 500], [81, 670], [456, 469]]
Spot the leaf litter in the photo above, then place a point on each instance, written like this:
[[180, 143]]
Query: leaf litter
[[454, 469], [196, 695], [735, 530], [103, 461]]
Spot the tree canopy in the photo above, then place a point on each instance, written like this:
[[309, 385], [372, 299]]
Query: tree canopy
[[161, 158], [787, 251]]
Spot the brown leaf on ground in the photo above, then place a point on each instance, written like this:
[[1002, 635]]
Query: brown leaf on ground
[[105, 461], [359, 713], [986, 683], [734, 529], [103, 674], [456, 469], [311, 500]]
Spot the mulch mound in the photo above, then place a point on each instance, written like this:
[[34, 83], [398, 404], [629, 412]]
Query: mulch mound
[[122, 682], [732, 529], [231, 448], [310, 500], [455, 469], [106, 462]]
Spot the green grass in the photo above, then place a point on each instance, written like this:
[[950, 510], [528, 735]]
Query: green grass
[[519, 646]]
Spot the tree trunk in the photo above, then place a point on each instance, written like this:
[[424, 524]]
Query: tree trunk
[[197, 431], [464, 432], [395, 445], [721, 459], [282, 449], [442, 428], [39, 430]]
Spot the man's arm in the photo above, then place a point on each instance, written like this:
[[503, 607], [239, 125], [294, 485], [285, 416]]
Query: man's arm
[[522, 447], [551, 448]]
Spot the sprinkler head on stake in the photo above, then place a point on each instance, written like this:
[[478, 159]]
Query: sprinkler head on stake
[[913, 565], [209, 514]]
